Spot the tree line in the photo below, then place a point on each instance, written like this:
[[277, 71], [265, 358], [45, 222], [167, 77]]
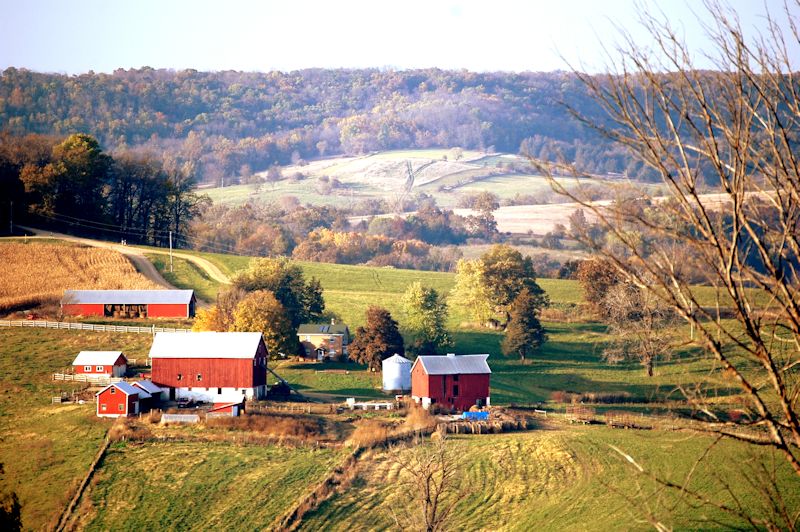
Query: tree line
[[224, 124], [72, 184]]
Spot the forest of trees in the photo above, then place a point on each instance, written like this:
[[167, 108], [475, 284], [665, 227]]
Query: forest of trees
[[226, 124]]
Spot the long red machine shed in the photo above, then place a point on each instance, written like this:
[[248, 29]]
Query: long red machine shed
[[130, 303], [458, 382]]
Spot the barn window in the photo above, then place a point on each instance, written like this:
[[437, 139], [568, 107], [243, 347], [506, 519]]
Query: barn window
[[199, 377], [103, 407], [98, 368], [113, 390], [121, 408], [219, 391], [455, 390], [87, 368], [455, 378], [180, 376]]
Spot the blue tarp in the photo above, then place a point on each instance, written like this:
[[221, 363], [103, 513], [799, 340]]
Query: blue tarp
[[475, 416]]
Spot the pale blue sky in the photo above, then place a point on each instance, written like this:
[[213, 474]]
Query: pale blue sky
[[482, 35]]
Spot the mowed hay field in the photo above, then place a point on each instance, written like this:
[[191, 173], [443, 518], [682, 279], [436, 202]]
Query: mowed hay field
[[564, 479], [36, 273], [201, 486], [45, 448]]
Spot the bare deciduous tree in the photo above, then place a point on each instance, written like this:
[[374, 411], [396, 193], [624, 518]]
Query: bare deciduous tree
[[734, 129], [639, 323], [431, 476]]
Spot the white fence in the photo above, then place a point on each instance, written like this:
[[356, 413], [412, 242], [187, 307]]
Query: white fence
[[85, 377], [88, 326]]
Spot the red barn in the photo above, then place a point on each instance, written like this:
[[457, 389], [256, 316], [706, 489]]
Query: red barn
[[452, 381], [118, 400], [130, 303], [100, 363], [207, 366]]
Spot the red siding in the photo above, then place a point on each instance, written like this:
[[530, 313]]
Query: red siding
[[112, 402], [419, 381], [441, 388], [107, 370], [215, 372], [83, 310], [163, 310]]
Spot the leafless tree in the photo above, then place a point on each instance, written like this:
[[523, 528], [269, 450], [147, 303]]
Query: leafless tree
[[431, 476], [735, 129], [639, 323]]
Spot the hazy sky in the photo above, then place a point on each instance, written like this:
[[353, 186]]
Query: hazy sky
[[102, 35]]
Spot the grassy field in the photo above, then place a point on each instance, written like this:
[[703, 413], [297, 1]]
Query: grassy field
[[38, 272], [191, 486], [563, 479], [46, 448], [380, 175]]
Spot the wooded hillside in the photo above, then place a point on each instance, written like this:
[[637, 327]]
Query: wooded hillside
[[230, 123]]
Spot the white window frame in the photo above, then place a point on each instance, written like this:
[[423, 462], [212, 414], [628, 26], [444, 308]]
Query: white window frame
[[87, 369], [99, 368]]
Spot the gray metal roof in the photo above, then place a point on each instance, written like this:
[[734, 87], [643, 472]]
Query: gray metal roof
[[452, 364], [127, 297], [322, 328], [122, 386]]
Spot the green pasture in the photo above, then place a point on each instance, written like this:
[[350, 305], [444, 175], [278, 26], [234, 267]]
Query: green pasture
[[202, 486], [46, 449], [571, 479]]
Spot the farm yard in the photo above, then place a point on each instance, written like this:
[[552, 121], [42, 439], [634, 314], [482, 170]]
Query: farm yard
[[553, 476]]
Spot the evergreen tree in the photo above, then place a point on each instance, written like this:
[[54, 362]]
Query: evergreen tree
[[524, 333]]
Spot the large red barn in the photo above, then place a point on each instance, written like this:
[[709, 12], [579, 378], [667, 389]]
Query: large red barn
[[118, 400], [100, 363], [130, 303], [452, 381], [207, 366]]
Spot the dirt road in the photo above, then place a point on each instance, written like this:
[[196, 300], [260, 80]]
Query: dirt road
[[137, 257]]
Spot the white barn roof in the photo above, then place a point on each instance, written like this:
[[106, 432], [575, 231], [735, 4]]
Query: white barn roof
[[122, 386], [205, 345], [96, 358], [452, 364], [127, 297]]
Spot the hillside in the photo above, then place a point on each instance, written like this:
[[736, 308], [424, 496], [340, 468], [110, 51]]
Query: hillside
[[223, 121], [347, 181]]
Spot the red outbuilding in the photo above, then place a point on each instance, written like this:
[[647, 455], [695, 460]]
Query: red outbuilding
[[118, 400], [130, 303], [458, 382], [100, 363], [210, 367]]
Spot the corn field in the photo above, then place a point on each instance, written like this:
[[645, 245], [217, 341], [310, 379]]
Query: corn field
[[38, 273]]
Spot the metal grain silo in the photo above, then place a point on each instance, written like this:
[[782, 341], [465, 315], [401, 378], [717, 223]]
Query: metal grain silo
[[396, 373]]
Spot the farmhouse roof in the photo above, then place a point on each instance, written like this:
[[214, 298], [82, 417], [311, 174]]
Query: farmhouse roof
[[127, 297], [122, 386], [452, 364], [205, 345], [96, 358], [147, 386], [322, 328]]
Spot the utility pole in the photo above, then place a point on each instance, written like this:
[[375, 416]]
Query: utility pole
[[170, 251]]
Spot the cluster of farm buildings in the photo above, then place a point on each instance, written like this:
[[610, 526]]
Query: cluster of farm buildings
[[226, 369]]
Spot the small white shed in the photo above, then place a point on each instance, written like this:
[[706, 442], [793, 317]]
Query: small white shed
[[396, 373]]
